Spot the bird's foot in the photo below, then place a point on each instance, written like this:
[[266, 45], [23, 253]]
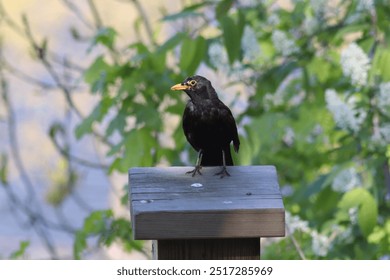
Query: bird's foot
[[196, 170], [223, 172]]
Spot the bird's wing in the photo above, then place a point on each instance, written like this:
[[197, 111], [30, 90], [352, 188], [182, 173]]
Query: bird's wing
[[188, 126], [229, 122]]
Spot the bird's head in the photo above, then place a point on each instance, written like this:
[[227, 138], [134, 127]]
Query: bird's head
[[197, 87]]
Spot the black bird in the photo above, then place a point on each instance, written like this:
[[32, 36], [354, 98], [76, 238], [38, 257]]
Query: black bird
[[208, 125]]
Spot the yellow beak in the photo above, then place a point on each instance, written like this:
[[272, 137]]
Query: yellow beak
[[180, 87]]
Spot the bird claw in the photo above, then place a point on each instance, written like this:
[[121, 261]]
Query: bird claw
[[223, 172], [196, 170]]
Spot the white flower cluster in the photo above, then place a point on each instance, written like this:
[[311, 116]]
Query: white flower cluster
[[381, 136], [295, 223], [273, 19], [283, 44], [367, 5], [384, 98], [250, 45], [219, 59], [344, 114], [355, 64], [346, 180], [310, 25], [353, 215], [319, 6], [218, 56], [320, 244], [289, 136], [248, 3]]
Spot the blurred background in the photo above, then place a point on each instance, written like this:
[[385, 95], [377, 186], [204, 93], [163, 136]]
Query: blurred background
[[85, 95]]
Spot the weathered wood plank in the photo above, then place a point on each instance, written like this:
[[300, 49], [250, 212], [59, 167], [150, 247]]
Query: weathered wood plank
[[166, 205]]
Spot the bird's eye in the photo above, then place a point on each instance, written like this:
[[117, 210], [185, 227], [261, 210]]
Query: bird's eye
[[192, 82]]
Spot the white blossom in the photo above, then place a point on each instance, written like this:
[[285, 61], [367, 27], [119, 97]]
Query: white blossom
[[283, 44], [319, 7], [286, 190], [219, 59], [281, 95], [297, 99], [344, 114], [273, 19], [381, 136], [248, 3], [355, 64], [289, 136], [367, 5], [384, 98], [346, 180], [218, 56], [346, 235], [295, 223], [353, 215], [250, 45], [272, 100], [310, 25], [320, 244]]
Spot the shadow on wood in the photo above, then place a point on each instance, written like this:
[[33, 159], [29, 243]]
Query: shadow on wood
[[205, 217]]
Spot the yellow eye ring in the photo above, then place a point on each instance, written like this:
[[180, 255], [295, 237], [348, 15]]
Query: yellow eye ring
[[192, 82]]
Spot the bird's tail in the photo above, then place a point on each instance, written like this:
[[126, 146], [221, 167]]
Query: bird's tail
[[214, 157]]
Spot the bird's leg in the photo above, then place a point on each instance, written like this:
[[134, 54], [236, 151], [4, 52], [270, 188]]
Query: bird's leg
[[198, 165], [224, 171]]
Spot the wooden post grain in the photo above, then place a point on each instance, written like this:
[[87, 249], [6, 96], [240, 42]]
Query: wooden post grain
[[205, 217]]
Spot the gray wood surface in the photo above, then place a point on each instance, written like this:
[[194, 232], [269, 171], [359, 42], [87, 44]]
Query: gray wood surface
[[165, 204]]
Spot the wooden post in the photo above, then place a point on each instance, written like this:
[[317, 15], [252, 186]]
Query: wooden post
[[206, 217]]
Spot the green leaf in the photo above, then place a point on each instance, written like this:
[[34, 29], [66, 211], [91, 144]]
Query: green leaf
[[105, 36], [187, 53], [96, 221], [23, 245], [381, 64], [138, 144], [148, 115], [117, 123], [181, 15], [171, 43], [95, 224], [79, 244], [96, 75], [319, 67], [200, 52], [4, 169], [341, 33], [367, 215], [231, 37], [353, 198], [368, 209], [377, 235], [97, 115], [223, 7]]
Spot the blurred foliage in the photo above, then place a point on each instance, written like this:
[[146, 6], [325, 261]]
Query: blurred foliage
[[315, 79], [305, 113], [20, 253], [102, 226]]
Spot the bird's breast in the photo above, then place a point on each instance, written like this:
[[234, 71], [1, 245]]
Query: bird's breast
[[203, 113]]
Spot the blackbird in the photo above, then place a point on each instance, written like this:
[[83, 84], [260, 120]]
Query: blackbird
[[208, 125]]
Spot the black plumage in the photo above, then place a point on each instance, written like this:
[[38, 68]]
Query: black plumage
[[208, 125]]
